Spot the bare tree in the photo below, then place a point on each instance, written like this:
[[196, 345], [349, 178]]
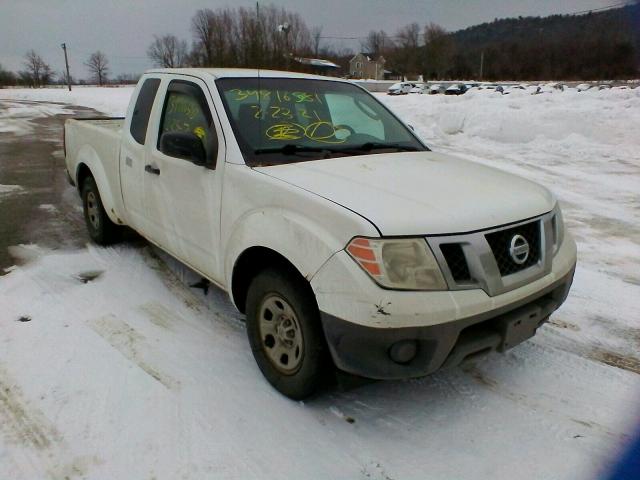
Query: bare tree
[[377, 43], [37, 72], [168, 52], [240, 37], [406, 56], [98, 65], [409, 36], [440, 50], [202, 25], [7, 77], [316, 36]]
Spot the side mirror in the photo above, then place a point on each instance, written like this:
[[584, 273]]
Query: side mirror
[[183, 145]]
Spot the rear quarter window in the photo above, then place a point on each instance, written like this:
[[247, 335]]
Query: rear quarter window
[[142, 110]]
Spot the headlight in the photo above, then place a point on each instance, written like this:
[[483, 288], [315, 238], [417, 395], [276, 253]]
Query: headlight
[[402, 264], [557, 224]]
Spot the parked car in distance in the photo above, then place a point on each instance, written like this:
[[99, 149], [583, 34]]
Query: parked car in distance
[[419, 88], [539, 89], [400, 88], [330, 224], [436, 88], [583, 87], [558, 86], [512, 88], [456, 89]]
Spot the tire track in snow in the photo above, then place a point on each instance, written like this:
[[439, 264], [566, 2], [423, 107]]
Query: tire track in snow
[[160, 315], [128, 342], [20, 423], [39, 445], [171, 281], [553, 420]]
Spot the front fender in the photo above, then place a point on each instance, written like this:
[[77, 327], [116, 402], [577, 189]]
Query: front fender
[[302, 241], [263, 211]]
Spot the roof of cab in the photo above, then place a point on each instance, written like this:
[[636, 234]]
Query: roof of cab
[[240, 73]]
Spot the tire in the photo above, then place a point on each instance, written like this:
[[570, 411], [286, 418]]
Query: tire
[[101, 229], [290, 347]]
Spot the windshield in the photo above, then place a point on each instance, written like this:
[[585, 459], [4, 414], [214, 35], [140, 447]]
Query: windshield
[[286, 120]]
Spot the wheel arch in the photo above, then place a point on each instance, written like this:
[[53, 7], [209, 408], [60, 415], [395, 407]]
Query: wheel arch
[[250, 263], [82, 172], [90, 164]]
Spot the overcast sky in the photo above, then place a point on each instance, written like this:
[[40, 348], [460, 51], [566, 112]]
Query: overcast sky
[[123, 29]]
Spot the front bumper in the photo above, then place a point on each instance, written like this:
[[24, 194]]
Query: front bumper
[[366, 351], [362, 322]]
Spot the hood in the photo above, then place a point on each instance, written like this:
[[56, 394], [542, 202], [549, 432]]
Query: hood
[[419, 193]]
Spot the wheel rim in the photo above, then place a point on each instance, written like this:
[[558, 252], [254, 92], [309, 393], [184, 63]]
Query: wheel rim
[[92, 210], [281, 335]]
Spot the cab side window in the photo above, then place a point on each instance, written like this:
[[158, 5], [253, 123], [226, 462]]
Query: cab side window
[[142, 110], [187, 124]]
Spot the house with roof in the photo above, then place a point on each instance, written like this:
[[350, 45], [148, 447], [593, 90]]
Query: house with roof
[[364, 66]]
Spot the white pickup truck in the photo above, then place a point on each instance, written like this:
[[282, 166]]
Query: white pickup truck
[[333, 227]]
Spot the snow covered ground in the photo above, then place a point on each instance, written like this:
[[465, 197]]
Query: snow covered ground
[[112, 367], [108, 100]]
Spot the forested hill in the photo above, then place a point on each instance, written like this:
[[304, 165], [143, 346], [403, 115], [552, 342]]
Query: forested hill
[[597, 45]]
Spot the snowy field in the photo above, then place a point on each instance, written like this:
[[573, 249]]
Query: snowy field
[[124, 372]]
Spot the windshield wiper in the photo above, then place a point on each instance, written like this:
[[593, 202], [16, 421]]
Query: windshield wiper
[[292, 149], [367, 147]]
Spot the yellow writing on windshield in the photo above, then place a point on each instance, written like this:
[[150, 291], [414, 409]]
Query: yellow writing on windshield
[[258, 95], [285, 131], [320, 131], [282, 96]]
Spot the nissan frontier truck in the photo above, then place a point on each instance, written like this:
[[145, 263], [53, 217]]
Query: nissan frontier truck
[[334, 228]]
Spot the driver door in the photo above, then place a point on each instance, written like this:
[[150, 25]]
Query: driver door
[[183, 193]]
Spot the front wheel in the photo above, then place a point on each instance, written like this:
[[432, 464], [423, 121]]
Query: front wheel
[[283, 326]]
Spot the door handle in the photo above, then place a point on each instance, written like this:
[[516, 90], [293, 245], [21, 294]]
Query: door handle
[[152, 169]]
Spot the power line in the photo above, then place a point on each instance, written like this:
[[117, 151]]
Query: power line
[[121, 57], [599, 9], [607, 7], [337, 37]]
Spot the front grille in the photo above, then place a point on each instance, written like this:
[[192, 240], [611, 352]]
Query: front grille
[[456, 261], [500, 242]]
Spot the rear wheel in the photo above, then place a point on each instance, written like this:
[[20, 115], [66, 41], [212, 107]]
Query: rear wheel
[[283, 326], [101, 229]]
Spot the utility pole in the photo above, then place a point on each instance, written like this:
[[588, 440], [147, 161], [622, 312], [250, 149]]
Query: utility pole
[[66, 62], [286, 28], [481, 64]]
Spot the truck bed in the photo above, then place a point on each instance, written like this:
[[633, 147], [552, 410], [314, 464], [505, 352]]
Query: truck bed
[[94, 142], [111, 123]]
